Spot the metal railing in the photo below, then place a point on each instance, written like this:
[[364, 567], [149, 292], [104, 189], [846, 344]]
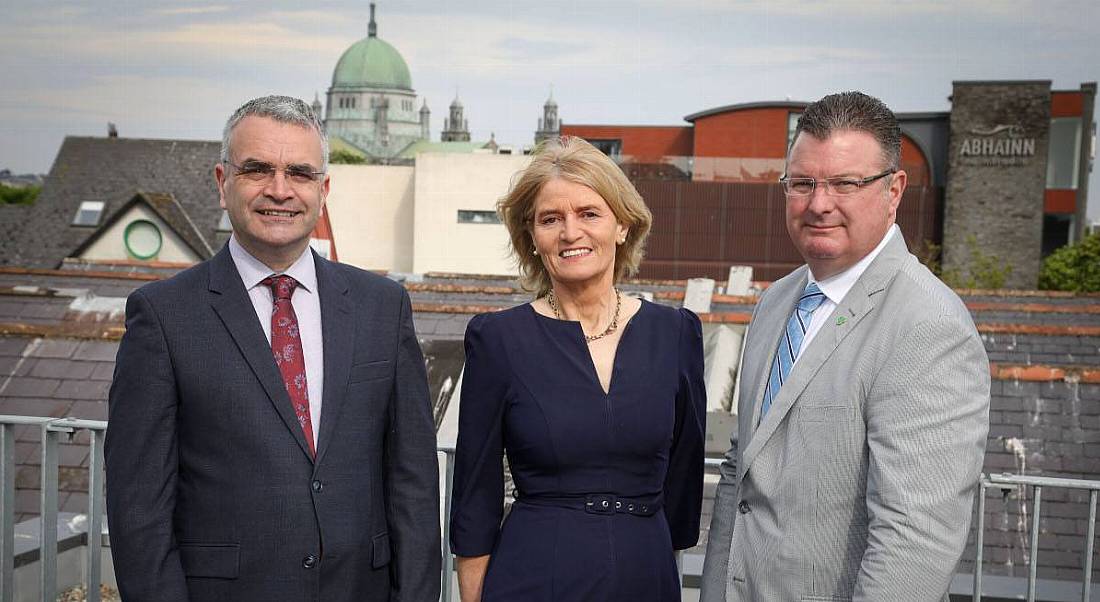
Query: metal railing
[[1008, 482], [51, 430], [445, 593]]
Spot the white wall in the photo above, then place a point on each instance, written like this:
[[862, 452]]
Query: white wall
[[445, 183], [111, 244], [371, 211]]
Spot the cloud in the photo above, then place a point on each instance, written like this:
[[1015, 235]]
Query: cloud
[[192, 10], [848, 9]]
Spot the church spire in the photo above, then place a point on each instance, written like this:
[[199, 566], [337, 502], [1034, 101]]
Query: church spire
[[372, 28], [456, 128], [549, 124]]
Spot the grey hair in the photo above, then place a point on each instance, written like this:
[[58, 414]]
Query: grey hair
[[853, 111], [284, 109]]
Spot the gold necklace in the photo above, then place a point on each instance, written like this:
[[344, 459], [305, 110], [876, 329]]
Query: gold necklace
[[610, 327]]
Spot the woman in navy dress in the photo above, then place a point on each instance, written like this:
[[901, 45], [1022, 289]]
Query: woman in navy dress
[[596, 399]]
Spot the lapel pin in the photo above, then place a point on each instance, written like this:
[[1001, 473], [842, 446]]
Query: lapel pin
[[840, 320]]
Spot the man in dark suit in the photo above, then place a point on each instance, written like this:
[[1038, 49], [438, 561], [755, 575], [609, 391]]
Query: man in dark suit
[[270, 432]]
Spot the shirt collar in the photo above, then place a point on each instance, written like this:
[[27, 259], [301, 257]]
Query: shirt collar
[[253, 271], [837, 286]]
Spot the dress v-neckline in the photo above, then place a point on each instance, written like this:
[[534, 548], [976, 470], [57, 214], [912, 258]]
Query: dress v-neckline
[[594, 374]]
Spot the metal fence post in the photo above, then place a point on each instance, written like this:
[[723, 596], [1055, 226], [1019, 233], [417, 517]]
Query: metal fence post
[[94, 563], [1033, 562], [47, 551], [1089, 546], [448, 558], [980, 541], [7, 510]]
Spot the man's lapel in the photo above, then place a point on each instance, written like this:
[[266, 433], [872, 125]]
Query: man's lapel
[[338, 323], [859, 302], [769, 326], [232, 304]]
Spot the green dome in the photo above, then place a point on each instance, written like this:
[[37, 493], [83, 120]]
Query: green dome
[[371, 63]]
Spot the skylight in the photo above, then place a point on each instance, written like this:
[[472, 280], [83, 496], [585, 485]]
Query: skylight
[[89, 213]]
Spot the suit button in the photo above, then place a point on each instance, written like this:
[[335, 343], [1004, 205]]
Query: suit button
[[743, 507], [309, 561], [317, 486]]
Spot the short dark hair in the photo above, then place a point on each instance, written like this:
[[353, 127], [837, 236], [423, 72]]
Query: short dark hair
[[853, 111]]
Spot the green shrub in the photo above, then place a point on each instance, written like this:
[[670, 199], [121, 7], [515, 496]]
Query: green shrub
[[977, 270], [345, 157], [1073, 267], [21, 195]]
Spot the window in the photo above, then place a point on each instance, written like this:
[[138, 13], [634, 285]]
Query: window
[[470, 216], [88, 213], [143, 239], [1063, 158], [792, 125], [224, 225]]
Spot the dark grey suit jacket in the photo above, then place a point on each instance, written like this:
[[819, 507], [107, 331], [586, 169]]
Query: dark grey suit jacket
[[211, 492]]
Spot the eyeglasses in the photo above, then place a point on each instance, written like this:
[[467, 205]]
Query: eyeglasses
[[261, 173], [840, 186]]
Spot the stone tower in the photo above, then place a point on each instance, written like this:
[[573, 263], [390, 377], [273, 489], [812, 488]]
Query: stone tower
[[425, 120], [456, 128], [549, 124]]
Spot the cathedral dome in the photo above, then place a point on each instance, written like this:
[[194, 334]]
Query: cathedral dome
[[371, 63]]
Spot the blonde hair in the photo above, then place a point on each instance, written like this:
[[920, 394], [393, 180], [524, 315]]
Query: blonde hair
[[575, 160]]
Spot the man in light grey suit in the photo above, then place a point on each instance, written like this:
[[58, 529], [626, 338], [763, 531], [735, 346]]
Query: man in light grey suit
[[864, 404]]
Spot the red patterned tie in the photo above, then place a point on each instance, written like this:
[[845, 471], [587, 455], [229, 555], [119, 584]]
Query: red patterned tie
[[286, 346]]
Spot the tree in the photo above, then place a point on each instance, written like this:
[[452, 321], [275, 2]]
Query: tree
[[1073, 267]]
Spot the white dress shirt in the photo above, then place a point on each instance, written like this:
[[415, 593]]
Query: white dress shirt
[[837, 286], [307, 308]]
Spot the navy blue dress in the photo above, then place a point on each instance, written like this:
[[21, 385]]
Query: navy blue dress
[[607, 485]]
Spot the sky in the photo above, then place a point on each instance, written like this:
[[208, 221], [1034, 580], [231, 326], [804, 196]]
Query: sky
[[178, 69]]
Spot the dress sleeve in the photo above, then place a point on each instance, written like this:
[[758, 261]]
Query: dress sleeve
[[684, 481], [477, 504]]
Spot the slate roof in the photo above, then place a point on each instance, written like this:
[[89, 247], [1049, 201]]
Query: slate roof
[[46, 372], [12, 221], [428, 146], [112, 170]]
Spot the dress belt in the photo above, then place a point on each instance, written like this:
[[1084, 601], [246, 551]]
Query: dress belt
[[597, 503]]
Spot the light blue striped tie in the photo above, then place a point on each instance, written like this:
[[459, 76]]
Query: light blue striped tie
[[791, 342]]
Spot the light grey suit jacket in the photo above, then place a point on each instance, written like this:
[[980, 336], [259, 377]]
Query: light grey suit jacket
[[858, 483]]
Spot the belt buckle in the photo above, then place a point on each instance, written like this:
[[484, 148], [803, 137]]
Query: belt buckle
[[600, 504]]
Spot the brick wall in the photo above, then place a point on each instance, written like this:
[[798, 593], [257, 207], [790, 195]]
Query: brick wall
[[1039, 428], [53, 377]]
